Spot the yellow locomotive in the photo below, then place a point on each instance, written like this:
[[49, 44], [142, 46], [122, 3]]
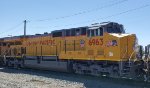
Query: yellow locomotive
[[99, 49]]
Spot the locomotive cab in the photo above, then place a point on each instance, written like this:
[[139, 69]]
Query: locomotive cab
[[108, 41], [105, 27]]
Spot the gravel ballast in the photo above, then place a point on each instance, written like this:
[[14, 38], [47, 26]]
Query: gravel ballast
[[27, 78]]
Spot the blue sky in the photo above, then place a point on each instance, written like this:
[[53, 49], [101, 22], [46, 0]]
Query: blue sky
[[13, 12]]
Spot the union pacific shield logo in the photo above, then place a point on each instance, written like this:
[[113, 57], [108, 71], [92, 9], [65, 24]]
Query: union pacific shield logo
[[112, 43], [82, 43]]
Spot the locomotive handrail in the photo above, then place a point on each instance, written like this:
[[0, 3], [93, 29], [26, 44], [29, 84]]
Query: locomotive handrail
[[131, 57], [148, 58], [5, 53], [125, 53]]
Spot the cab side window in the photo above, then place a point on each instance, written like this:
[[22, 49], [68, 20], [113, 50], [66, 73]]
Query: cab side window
[[95, 32], [92, 33], [101, 31]]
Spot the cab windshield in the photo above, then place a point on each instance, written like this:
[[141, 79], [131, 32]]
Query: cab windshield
[[114, 28], [107, 28]]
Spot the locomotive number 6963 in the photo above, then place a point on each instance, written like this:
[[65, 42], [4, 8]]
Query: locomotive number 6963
[[96, 42]]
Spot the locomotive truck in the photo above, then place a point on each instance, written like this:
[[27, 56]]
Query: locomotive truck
[[101, 49]]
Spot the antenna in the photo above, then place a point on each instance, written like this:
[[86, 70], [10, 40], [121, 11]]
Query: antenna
[[25, 27]]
